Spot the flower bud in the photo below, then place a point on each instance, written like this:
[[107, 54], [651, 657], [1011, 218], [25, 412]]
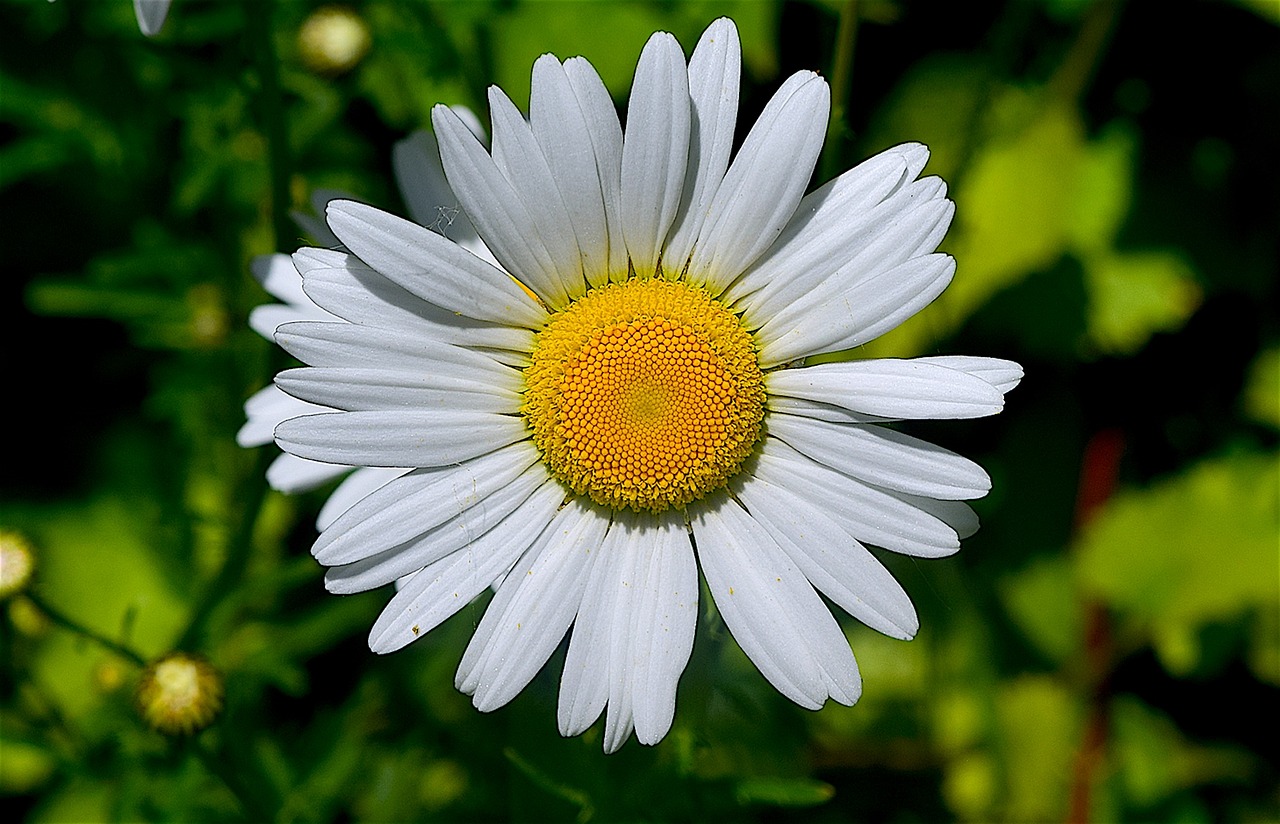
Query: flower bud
[[180, 693]]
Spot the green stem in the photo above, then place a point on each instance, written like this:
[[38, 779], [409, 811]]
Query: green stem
[[252, 490], [1072, 77], [67, 622], [236, 783], [841, 80], [251, 493], [271, 112]]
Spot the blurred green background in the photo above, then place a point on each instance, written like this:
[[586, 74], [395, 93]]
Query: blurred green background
[[1106, 648]]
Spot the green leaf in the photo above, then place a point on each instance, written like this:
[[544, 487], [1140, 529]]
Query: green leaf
[[96, 566], [1134, 296], [783, 792], [1262, 392], [25, 765], [573, 795], [619, 32], [1156, 761], [1017, 196], [1043, 602], [81, 799], [1103, 191], [1017, 200], [1266, 9], [1040, 726], [1197, 548]]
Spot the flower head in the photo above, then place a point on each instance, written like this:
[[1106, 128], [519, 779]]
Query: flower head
[[180, 694], [624, 396], [333, 40], [17, 563]]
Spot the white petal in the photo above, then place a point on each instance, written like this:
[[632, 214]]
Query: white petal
[[818, 411], [562, 132], [450, 386], [519, 631], [826, 255], [868, 513], [520, 159], [831, 211], [398, 437], [714, 74], [467, 523], [846, 255], [634, 631], [356, 486], [496, 209], [665, 611], [584, 683], [1002, 374], [312, 222], [956, 514], [619, 719], [446, 586], [417, 502], [764, 185], [150, 15], [433, 268], [352, 291], [269, 317], [347, 345], [419, 174], [290, 474], [890, 389], [265, 409], [655, 149], [869, 309], [832, 560], [771, 609], [606, 139], [916, 155], [884, 457], [278, 276]]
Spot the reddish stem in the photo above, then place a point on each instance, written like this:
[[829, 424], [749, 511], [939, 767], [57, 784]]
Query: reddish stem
[[1099, 474]]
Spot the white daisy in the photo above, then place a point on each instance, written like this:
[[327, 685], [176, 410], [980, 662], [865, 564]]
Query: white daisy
[[625, 398]]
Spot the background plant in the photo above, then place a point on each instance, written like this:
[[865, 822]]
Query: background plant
[[1107, 647]]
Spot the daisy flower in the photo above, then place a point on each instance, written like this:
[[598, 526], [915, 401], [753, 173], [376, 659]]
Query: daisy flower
[[624, 398]]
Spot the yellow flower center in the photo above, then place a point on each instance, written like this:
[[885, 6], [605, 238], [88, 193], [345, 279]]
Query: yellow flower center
[[645, 394]]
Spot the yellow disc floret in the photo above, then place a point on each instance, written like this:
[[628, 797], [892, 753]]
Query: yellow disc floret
[[645, 394]]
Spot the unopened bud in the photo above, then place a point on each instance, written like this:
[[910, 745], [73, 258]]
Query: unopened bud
[[180, 694], [17, 562], [333, 40]]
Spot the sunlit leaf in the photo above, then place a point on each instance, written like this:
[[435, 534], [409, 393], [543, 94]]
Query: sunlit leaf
[[1196, 548], [81, 799], [783, 792], [1155, 760], [81, 549], [532, 29], [1043, 602], [971, 785], [1262, 392], [1135, 295], [25, 765], [1040, 724]]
